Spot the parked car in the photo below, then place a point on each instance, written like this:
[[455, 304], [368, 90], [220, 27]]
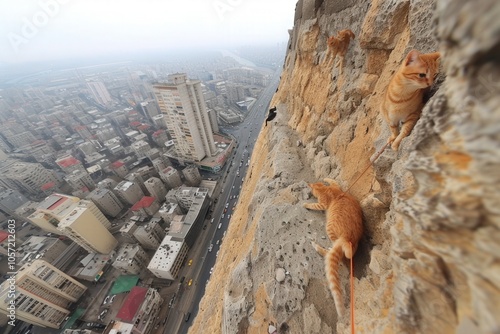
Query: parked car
[[106, 300], [190, 282], [190, 262], [112, 298], [187, 316]]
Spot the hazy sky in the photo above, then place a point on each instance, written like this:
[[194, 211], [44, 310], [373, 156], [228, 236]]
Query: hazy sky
[[33, 30]]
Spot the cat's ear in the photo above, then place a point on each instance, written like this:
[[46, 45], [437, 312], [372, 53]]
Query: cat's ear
[[412, 57]]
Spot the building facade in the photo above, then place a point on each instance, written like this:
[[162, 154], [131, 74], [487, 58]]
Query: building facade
[[128, 192], [88, 227], [44, 294], [150, 235], [156, 188], [168, 259], [181, 102], [106, 201], [131, 259]]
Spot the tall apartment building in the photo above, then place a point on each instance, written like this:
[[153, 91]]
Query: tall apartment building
[[80, 220], [168, 259], [156, 188], [88, 227], [79, 179], [171, 177], [119, 168], [106, 201], [11, 199], [44, 294], [139, 312], [150, 235], [128, 192], [26, 177], [131, 259], [182, 103], [51, 210], [192, 176], [99, 92]]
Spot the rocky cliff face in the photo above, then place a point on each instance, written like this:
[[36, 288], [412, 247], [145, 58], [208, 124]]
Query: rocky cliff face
[[430, 260]]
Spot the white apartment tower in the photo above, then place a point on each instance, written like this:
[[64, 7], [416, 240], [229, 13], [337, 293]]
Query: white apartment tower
[[43, 294], [168, 259], [99, 92], [131, 259], [182, 103]]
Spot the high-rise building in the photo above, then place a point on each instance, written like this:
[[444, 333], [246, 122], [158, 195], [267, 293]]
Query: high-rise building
[[87, 226], [26, 177], [171, 177], [150, 235], [156, 188], [128, 192], [182, 103], [139, 312], [51, 210], [192, 176], [10, 200], [168, 259], [106, 201], [43, 296], [80, 220], [131, 259], [99, 92], [80, 180]]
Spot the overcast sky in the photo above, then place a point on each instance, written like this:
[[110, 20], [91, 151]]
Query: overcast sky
[[33, 30]]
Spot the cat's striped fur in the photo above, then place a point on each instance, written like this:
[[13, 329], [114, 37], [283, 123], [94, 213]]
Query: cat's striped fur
[[344, 226], [403, 98]]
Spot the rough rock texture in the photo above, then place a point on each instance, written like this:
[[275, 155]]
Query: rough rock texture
[[430, 260]]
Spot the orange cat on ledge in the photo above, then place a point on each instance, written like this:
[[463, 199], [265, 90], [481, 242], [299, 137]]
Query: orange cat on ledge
[[403, 98]]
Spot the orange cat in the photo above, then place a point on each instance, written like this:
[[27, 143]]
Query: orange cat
[[403, 98], [339, 45], [344, 226]]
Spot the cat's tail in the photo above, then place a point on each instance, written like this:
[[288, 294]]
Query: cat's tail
[[333, 257]]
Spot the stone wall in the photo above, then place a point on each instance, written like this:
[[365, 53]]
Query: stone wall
[[430, 259]]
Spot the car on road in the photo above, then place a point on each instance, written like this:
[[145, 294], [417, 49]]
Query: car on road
[[210, 247], [220, 225], [190, 262], [102, 315], [222, 217], [228, 216], [211, 222], [190, 282], [217, 242], [187, 316]]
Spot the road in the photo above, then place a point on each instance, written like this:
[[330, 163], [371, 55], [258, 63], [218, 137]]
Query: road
[[227, 193]]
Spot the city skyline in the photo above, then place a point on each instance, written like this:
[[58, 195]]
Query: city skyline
[[51, 30]]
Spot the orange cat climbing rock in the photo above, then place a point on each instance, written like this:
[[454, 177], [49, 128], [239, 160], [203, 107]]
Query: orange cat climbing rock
[[339, 44], [403, 98], [344, 226]]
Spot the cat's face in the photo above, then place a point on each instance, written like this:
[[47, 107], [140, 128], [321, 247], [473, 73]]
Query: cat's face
[[316, 188], [419, 69]]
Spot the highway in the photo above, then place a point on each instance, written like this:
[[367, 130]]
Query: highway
[[226, 194]]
